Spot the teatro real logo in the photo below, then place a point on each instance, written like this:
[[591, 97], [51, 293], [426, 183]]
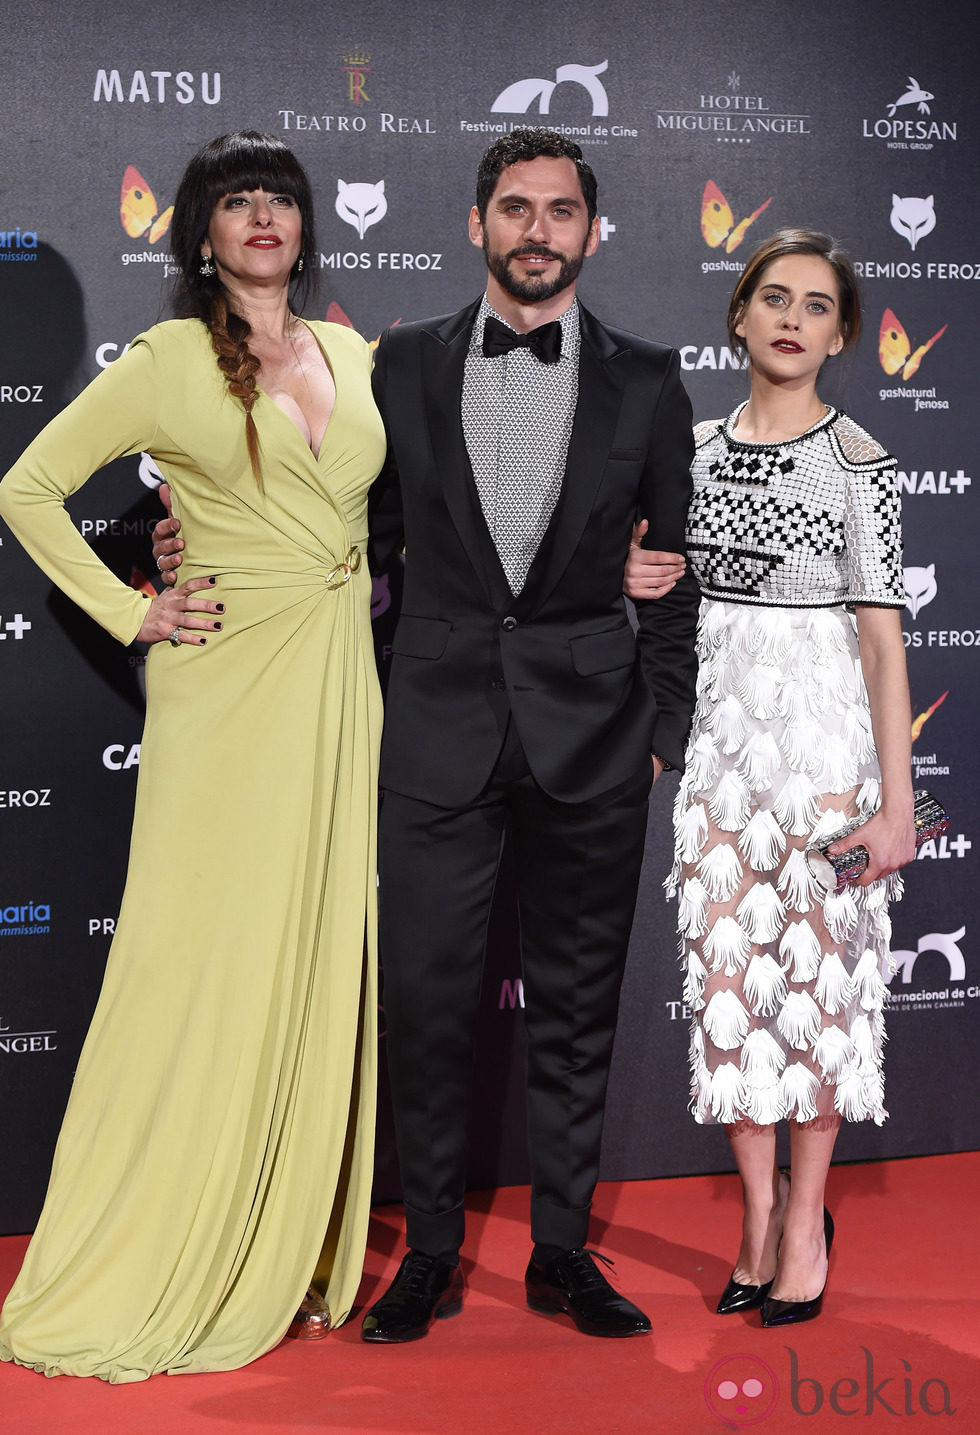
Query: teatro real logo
[[357, 63], [518, 98], [908, 122], [361, 205]]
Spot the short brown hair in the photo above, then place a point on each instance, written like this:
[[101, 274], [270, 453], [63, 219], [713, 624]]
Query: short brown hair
[[798, 241]]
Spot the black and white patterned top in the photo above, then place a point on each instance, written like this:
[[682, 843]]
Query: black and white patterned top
[[809, 523], [517, 420]]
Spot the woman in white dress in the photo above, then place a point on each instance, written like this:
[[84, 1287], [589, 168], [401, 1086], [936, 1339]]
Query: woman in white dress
[[794, 536]]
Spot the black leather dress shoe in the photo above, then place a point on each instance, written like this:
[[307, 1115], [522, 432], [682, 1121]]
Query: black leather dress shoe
[[736, 1297], [792, 1312], [425, 1289], [573, 1283]]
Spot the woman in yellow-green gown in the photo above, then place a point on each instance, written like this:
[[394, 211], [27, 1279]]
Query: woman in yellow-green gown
[[218, 1142]]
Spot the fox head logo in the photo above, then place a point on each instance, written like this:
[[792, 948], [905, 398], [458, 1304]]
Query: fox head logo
[[361, 204], [913, 218], [920, 587]]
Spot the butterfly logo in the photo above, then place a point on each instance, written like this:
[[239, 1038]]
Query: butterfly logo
[[923, 718], [718, 223], [336, 315], [138, 209], [895, 347]]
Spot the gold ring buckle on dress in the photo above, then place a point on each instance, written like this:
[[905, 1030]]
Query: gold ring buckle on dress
[[340, 575]]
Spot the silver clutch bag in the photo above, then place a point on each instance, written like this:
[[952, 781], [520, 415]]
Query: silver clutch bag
[[833, 870]]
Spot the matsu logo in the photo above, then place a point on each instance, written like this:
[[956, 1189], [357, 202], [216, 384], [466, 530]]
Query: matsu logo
[[945, 943], [518, 98]]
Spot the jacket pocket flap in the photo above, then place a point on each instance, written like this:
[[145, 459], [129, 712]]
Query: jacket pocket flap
[[602, 652], [421, 637]]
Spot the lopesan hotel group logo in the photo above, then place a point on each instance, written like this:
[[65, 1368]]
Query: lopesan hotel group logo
[[910, 119], [573, 100], [733, 115], [353, 86]]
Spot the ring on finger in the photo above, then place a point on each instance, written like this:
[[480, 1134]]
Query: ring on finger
[[174, 638], [160, 567]]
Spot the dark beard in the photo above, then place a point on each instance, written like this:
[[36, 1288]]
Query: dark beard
[[534, 289]]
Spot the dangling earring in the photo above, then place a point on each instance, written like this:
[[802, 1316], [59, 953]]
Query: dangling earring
[[207, 269], [299, 265]]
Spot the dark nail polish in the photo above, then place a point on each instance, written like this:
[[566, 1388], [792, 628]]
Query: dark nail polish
[[212, 581], [203, 641], [217, 627], [220, 607]]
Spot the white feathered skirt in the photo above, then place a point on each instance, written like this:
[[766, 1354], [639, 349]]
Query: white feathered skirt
[[785, 985]]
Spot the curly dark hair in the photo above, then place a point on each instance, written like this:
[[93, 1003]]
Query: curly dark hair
[[524, 143]]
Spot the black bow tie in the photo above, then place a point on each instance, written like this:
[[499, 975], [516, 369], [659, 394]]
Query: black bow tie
[[544, 342]]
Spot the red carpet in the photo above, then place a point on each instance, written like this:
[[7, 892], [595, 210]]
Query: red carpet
[[897, 1346]]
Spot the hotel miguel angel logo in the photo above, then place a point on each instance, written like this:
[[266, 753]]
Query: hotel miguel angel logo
[[718, 222], [138, 209], [895, 352]]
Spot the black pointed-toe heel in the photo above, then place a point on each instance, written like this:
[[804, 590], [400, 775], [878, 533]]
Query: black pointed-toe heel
[[737, 1297], [792, 1312]]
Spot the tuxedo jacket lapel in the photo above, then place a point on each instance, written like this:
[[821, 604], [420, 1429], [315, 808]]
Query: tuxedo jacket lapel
[[601, 383], [444, 350], [602, 379]]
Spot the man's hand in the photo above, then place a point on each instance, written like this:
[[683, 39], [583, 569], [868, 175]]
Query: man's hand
[[649, 573], [166, 545]]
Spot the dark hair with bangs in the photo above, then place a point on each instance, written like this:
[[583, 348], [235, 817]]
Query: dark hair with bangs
[[241, 161], [232, 164], [528, 142]]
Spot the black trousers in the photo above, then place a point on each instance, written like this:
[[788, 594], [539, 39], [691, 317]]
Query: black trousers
[[578, 868]]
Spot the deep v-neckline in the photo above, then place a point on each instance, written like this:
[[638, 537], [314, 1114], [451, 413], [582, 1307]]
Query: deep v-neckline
[[316, 457]]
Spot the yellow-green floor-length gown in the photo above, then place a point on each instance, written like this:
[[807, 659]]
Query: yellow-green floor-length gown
[[221, 1121]]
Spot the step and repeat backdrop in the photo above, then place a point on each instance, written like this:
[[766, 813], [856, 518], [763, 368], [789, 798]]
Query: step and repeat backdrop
[[709, 123]]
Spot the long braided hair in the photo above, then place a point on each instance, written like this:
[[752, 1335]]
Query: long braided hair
[[242, 161]]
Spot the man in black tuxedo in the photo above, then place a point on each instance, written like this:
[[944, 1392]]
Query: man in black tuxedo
[[524, 439]]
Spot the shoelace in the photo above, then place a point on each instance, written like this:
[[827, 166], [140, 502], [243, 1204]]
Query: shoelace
[[415, 1273], [584, 1270]]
